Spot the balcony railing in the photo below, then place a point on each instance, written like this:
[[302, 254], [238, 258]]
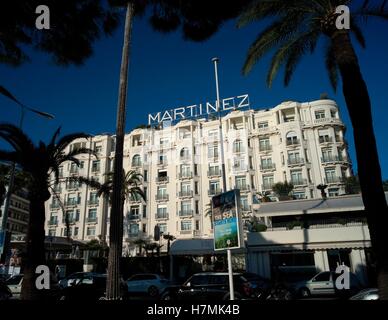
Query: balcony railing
[[245, 208], [186, 213], [183, 194], [324, 139], [186, 231], [74, 186], [54, 206], [263, 148], [270, 166], [161, 197], [53, 223], [185, 157], [162, 162], [295, 161], [93, 202], [299, 182], [185, 175], [238, 150], [136, 164], [91, 219], [267, 186], [214, 172], [72, 202], [161, 179], [327, 159], [333, 180], [133, 217], [243, 187], [74, 171], [163, 215], [213, 192], [293, 142]]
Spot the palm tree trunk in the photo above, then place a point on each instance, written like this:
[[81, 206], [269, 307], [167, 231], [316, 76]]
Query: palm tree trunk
[[116, 216], [359, 107], [35, 251]]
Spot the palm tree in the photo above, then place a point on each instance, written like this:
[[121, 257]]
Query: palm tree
[[283, 190], [294, 31], [199, 21], [39, 162]]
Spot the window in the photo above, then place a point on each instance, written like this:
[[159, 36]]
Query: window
[[239, 164], [292, 138], [213, 151], [196, 187], [264, 144], [324, 136], [186, 208], [241, 183], [244, 203], [324, 276], [320, 114], [213, 134], [299, 195], [296, 177], [333, 113], [196, 224], [186, 188], [136, 160], [195, 169], [214, 170], [145, 175], [161, 212], [163, 228], [93, 198], [186, 170], [73, 168], [144, 212], [96, 166], [327, 155], [294, 157], [91, 231], [214, 187], [77, 145], [330, 175], [184, 153], [134, 212], [266, 163], [162, 158], [186, 225], [196, 206], [238, 146], [133, 229], [268, 182], [164, 141], [97, 148], [144, 228], [75, 231], [51, 232], [262, 125], [92, 215]]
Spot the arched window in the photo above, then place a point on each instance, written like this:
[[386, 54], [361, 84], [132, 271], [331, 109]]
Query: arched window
[[136, 160], [292, 138], [238, 146]]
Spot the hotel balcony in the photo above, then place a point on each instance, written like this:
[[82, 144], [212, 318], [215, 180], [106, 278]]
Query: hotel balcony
[[72, 187], [161, 197], [91, 220], [161, 179], [185, 194], [186, 232], [332, 159], [72, 202], [186, 213], [299, 182], [93, 202], [54, 206], [295, 162], [324, 139], [243, 187], [333, 180], [214, 172], [132, 217], [136, 164], [268, 167], [325, 121], [213, 192], [267, 186], [293, 142], [265, 148], [161, 216], [185, 175]]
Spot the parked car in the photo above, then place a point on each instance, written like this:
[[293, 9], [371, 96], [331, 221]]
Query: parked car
[[91, 287], [74, 278], [5, 293], [210, 286], [147, 283], [366, 294], [260, 286], [324, 284], [15, 285]]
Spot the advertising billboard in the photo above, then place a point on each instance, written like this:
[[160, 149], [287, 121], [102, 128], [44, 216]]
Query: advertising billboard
[[226, 220]]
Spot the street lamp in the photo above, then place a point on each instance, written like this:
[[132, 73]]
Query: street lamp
[[24, 108]]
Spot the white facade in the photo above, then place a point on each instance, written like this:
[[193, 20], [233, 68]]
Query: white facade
[[302, 143]]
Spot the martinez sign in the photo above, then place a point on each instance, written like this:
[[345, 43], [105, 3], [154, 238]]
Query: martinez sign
[[199, 110]]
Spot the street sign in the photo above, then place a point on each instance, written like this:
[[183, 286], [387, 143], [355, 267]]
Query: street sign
[[227, 221]]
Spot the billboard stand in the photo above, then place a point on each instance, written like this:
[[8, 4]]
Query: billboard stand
[[227, 226]]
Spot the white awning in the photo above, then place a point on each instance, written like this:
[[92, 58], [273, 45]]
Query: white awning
[[196, 247]]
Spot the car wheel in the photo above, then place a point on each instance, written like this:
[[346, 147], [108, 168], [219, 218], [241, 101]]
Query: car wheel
[[153, 291], [166, 297], [304, 293]]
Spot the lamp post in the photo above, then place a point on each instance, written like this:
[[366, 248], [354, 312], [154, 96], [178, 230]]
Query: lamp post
[[24, 108]]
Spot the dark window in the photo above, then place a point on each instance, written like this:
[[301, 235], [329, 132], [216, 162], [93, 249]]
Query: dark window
[[199, 280], [324, 276]]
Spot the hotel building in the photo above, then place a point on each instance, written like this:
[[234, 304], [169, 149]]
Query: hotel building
[[302, 143]]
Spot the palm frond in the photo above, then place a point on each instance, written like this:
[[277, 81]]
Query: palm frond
[[10, 156], [69, 138], [356, 30]]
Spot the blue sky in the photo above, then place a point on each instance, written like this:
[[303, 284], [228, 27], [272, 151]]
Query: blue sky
[[168, 72]]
